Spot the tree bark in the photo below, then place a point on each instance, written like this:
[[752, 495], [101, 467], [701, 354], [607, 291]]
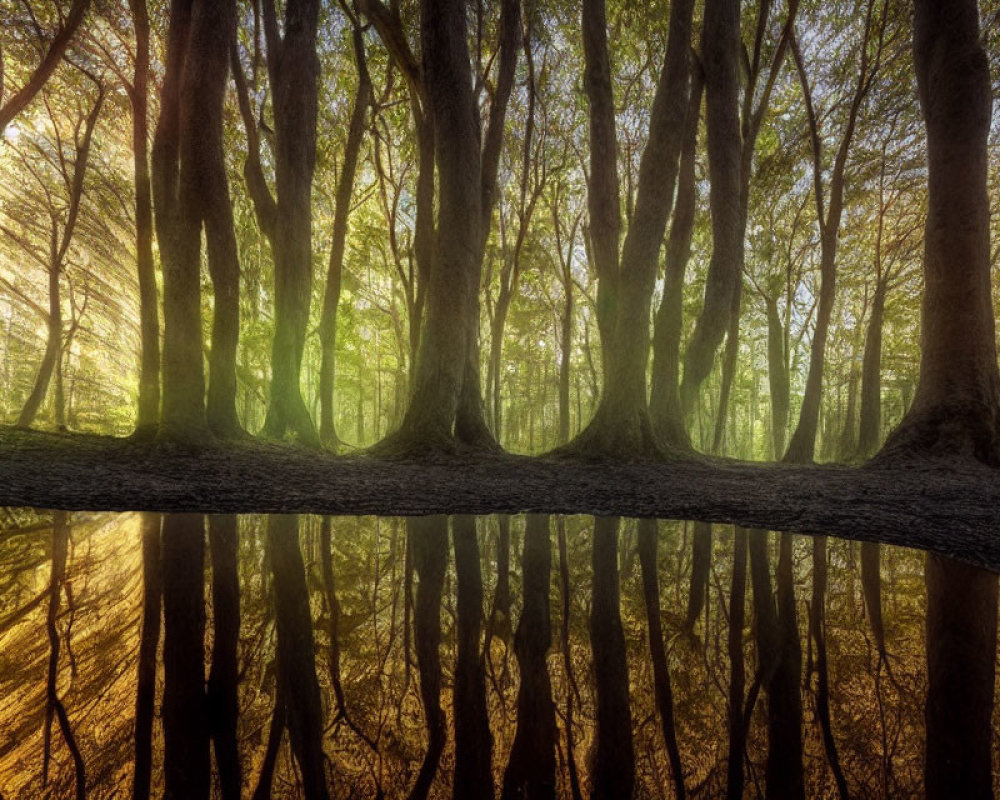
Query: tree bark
[[186, 758], [531, 770], [701, 565]]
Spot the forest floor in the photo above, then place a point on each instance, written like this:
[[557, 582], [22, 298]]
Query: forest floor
[[946, 506]]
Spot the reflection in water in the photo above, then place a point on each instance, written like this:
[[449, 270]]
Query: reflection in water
[[296, 670]]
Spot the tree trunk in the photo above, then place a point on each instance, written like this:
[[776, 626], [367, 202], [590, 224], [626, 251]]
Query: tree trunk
[[53, 352], [613, 768], [293, 67], [721, 47], [664, 393], [453, 284], [297, 654], [186, 757], [149, 324], [621, 424], [149, 640], [648, 533], [223, 676], [341, 212], [777, 376], [429, 540], [956, 409], [531, 771], [473, 739]]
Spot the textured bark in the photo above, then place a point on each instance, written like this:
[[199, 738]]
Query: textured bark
[[777, 376], [429, 540], [293, 68], [613, 768], [223, 676], [148, 413], [341, 212], [473, 739], [186, 758], [647, 545], [531, 770], [299, 688], [149, 640], [720, 52]]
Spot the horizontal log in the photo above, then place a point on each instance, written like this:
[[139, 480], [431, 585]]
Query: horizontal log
[[950, 507]]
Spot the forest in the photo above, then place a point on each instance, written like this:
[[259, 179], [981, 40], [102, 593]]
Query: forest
[[437, 398]]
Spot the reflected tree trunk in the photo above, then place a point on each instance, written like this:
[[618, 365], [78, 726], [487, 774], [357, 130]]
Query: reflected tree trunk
[[186, 757], [149, 640]]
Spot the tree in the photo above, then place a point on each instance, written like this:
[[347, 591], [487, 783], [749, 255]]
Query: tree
[[955, 414]]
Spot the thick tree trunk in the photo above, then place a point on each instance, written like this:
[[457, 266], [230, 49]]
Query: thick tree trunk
[[613, 768], [721, 47], [531, 770], [341, 212], [647, 545], [223, 676], [186, 757], [186, 192], [149, 361], [429, 540], [297, 654], [453, 284], [956, 409], [149, 640], [473, 739], [294, 72]]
